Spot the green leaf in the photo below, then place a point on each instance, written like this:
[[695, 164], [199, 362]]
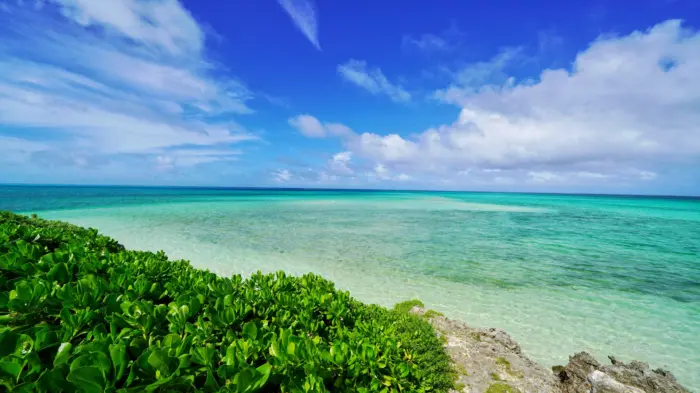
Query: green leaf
[[160, 361], [210, 382], [54, 380], [27, 387], [87, 379], [10, 369], [117, 352], [59, 272], [244, 379], [250, 330], [263, 372], [275, 349], [291, 347], [8, 342], [96, 359], [64, 352], [45, 338]]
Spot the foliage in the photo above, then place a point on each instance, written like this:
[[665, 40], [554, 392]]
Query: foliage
[[506, 365], [500, 387], [503, 362], [408, 305], [419, 337], [79, 313], [432, 314]]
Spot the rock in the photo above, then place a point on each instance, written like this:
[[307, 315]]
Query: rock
[[584, 374], [490, 361], [603, 383]]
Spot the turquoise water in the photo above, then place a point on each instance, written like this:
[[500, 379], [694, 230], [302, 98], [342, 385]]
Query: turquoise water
[[560, 273]]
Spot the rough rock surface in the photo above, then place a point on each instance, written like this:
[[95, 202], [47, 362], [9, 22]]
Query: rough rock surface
[[490, 361], [584, 374]]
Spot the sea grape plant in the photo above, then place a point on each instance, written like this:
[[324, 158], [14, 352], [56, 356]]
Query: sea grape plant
[[80, 313]]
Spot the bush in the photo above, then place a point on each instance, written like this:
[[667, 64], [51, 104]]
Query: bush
[[432, 314], [79, 313], [406, 306]]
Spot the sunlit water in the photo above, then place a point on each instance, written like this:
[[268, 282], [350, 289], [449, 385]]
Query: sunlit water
[[561, 274]]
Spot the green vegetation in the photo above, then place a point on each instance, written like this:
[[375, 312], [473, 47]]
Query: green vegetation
[[461, 370], [506, 364], [432, 314], [406, 306], [501, 388], [495, 377], [558, 369], [503, 362], [79, 313]]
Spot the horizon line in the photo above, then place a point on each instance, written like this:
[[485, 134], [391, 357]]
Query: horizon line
[[689, 196]]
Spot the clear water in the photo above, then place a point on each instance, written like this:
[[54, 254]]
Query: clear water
[[560, 273]]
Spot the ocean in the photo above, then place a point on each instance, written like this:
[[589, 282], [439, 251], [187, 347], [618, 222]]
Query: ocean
[[611, 275]]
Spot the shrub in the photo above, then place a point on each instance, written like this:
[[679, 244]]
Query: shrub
[[406, 306], [432, 314], [79, 313]]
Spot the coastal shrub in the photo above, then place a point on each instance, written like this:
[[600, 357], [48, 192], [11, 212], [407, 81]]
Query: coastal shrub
[[79, 313], [408, 305], [432, 314]]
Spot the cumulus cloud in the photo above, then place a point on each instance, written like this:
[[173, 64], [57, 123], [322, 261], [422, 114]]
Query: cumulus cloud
[[116, 79], [303, 14], [311, 127], [628, 103], [339, 164], [372, 80]]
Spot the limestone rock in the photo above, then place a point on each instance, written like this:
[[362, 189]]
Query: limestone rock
[[490, 357], [489, 361]]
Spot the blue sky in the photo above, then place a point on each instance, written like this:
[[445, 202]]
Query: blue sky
[[575, 96]]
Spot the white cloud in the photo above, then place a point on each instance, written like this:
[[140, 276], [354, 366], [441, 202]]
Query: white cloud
[[183, 158], [628, 104], [164, 24], [143, 87], [544, 177], [372, 80], [427, 43], [282, 175], [303, 14], [381, 172], [339, 164], [311, 127], [471, 78]]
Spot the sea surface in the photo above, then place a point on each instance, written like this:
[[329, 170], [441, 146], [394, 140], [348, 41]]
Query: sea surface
[[561, 273]]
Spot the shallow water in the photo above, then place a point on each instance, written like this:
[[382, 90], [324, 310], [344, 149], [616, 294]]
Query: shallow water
[[560, 273]]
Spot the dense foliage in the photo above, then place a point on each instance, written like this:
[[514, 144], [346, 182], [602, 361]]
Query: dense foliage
[[79, 313]]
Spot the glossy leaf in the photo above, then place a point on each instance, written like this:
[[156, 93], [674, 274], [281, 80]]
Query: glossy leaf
[[87, 379]]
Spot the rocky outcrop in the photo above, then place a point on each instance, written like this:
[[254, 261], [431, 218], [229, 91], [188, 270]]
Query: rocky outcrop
[[490, 361], [585, 374]]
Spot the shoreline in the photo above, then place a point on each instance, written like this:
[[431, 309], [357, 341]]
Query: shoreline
[[490, 361]]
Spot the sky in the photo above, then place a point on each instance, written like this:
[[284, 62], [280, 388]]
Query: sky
[[538, 96]]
